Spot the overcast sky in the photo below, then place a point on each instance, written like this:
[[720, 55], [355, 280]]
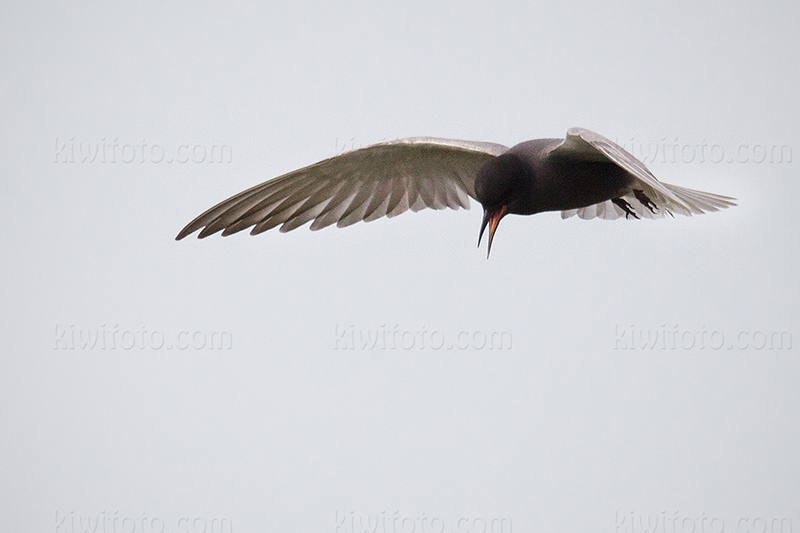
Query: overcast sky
[[590, 376]]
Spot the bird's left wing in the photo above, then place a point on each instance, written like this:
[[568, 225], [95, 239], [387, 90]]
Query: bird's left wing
[[384, 179]]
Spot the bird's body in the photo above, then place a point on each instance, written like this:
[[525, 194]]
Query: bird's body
[[558, 184], [583, 174]]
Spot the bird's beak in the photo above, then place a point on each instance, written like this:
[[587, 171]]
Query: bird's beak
[[491, 218]]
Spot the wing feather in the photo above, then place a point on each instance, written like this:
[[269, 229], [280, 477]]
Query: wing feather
[[586, 145], [365, 184]]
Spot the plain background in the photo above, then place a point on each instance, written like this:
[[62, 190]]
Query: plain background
[[288, 431]]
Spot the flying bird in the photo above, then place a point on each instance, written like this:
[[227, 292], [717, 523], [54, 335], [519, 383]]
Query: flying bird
[[584, 174]]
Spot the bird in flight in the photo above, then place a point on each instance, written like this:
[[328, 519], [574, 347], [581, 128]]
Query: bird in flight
[[584, 174]]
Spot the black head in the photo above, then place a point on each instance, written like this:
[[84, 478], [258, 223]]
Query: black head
[[502, 185]]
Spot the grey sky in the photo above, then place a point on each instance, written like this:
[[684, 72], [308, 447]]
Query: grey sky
[[572, 426]]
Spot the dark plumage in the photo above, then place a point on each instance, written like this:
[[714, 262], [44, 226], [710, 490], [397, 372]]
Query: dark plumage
[[583, 174]]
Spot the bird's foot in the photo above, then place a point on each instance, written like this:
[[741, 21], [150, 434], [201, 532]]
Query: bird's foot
[[647, 202], [625, 206]]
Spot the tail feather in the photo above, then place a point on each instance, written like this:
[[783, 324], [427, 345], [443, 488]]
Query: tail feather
[[699, 201], [692, 202]]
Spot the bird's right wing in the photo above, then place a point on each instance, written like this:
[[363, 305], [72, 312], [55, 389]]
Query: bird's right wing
[[365, 184], [659, 198]]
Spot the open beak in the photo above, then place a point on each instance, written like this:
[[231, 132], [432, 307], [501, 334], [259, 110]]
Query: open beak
[[491, 218]]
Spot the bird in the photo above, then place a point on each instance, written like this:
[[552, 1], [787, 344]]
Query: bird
[[583, 174]]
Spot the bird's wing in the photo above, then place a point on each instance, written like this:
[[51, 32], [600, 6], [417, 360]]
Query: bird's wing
[[364, 184], [701, 202], [664, 198]]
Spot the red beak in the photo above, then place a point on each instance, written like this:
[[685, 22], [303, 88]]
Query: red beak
[[491, 218]]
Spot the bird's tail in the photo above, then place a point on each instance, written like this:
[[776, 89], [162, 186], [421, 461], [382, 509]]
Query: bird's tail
[[650, 203], [700, 202]]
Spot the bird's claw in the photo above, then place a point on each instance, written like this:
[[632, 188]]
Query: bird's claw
[[647, 202], [625, 206]]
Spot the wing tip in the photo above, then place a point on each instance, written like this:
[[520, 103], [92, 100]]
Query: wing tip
[[185, 232]]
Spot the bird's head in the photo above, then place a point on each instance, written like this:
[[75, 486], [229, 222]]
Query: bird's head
[[500, 187]]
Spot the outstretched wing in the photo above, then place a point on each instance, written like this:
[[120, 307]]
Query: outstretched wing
[[365, 184], [654, 199]]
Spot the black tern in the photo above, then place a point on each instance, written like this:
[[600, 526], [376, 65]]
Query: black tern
[[584, 174]]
